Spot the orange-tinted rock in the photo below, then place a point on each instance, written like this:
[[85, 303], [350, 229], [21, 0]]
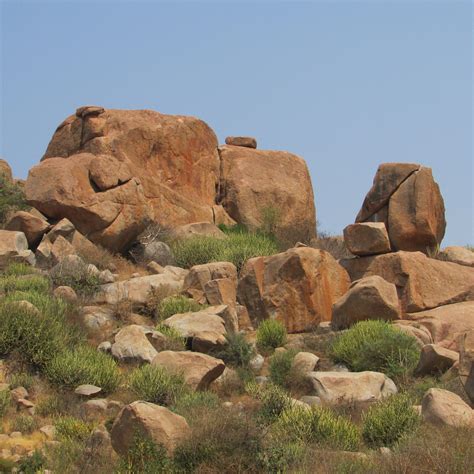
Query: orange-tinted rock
[[106, 172], [5, 170], [271, 188], [33, 227], [248, 142], [435, 359], [367, 238], [422, 283], [297, 287], [457, 254]]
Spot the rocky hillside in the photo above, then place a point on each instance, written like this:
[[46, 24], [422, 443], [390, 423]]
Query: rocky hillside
[[166, 307]]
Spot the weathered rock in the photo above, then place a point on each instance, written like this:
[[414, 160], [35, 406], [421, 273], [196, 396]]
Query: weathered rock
[[459, 255], [156, 251], [33, 227], [441, 407], [297, 287], [199, 275], [198, 229], [435, 359], [367, 238], [351, 387], [14, 248], [469, 384], [421, 334], [257, 187], [256, 363], [97, 318], [369, 298], [64, 228], [132, 345], [221, 291], [304, 362], [466, 358], [5, 170], [198, 370], [87, 390], [422, 283], [145, 419], [446, 324], [66, 293], [248, 142], [173, 162]]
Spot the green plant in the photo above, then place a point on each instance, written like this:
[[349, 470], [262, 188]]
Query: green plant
[[27, 283], [280, 367], [271, 218], [24, 424], [68, 428], [51, 406], [155, 384], [32, 464], [174, 340], [385, 423], [273, 400], [12, 198], [19, 269], [5, 399], [270, 335], [21, 379], [84, 365], [178, 304], [191, 401], [280, 455], [377, 346], [237, 352], [77, 275]]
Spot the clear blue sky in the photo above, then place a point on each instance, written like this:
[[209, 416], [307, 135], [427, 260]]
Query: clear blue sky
[[345, 84]]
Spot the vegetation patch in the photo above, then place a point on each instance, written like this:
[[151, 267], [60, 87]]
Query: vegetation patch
[[12, 198], [78, 276], [237, 352], [270, 335], [280, 367], [178, 304]]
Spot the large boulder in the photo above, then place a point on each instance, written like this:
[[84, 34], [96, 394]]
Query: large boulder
[[268, 187], [407, 199], [466, 362], [146, 420], [32, 226], [351, 387], [109, 171], [132, 345], [435, 360], [457, 254], [198, 370], [14, 248], [369, 298], [422, 283], [367, 238], [297, 287], [442, 407]]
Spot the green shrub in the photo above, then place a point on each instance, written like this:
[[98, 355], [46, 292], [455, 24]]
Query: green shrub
[[280, 455], [318, 425], [5, 399], [280, 367], [68, 428], [191, 401], [25, 424], [19, 269], [84, 365], [21, 379], [155, 384], [51, 406], [386, 422], [172, 305], [196, 251], [174, 340], [32, 464], [377, 346], [238, 352], [76, 275], [273, 400], [12, 198], [270, 335], [27, 283]]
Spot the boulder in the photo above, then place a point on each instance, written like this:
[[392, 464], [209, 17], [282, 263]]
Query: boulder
[[367, 238], [446, 324], [435, 360], [164, 167], [155, 251], [406, 198], [469, 384], [297, 287], [268, 188], [459, 255], [147, 420], [422, 283], [198, 370], [33, 227], [66, 293], [6, 171], [132, 345], [466, 360], [369, 298], [351, 387], [304, 362], [87, 390], [97, 318], [442, 407], [421, 334], [248, 142], [14, 248], [195, 229]]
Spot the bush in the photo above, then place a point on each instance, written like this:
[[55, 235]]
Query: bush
[[53, 405], [19, 269], [377, 346], [12, 198], [174, 340], [76, 275], [172, 305], [5, 399], [26, 424], [191, 401], [318, 425], [270, 335], [68, 428], [155, 384], [273, 400], [238, 352], [280, 367], [21, 379], [32, 464], [84, 365], [26, 283], [385, 423]]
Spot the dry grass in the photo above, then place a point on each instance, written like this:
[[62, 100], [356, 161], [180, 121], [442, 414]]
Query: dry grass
[[334, 244]]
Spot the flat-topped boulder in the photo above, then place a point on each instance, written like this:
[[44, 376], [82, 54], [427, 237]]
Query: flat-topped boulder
[[248, 142], [367, 238], [457, 254]]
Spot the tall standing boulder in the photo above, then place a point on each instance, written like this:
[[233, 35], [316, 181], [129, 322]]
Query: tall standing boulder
[[268, 188], [407, 199], [297, 287]]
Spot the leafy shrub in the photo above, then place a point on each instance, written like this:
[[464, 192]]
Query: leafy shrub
[[77, 275], [280, 367], [174, 340], [238, 352], [84, 365], [26, 283], [318, 425], [172, 305], [12, 198], [191, 401], [270, 335], [157, 385], [21, 379], [32, 464], [24, 423], [273, 400], [377, 346], [385, 423], [68, 428], [280, 455], [5, 399]]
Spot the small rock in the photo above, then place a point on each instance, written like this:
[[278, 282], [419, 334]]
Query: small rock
[[248, 142], [304, 362], [155, 268], [18, 393], [105, 346], [23, 403], [66, 293], [16, 434], [92, 408], [48, 430], [227, 404], [256, 363], [311, 400], [87, 390], [261, 380], [106, 276]]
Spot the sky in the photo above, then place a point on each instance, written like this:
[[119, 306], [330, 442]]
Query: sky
[[347, 85]]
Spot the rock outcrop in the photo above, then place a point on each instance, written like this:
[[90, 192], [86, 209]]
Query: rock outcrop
[[406, 198], [297, 287]]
